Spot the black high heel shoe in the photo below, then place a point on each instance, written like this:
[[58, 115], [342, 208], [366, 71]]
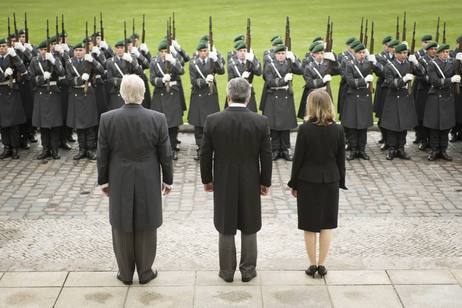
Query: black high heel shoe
[[311, 271], [322, 271]]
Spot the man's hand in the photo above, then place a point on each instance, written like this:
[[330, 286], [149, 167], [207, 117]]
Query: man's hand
[[208, 187], [294, 192], [166, 189], [264, 190], [105, 191]]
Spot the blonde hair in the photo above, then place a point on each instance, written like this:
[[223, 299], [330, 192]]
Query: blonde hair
[[320, 109], [132, 89]]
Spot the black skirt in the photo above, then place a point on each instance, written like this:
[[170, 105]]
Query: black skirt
[[317, 205]]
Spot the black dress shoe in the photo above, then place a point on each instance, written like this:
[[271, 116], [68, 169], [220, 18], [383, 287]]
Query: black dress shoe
[[71, 139], [381, 141], [177, 148], [391, 154], [153, 276], [14, 153], [403, 155], [174, 155], [55, 154], [6, 152], [65, 146], [351, 155], [32, 139], [445, 156], [91, 155], [311, 271], [81, 154], [432, 156], [226, 279], [423, 146], [363, 155], [322, 271], [45, 153], [384, 147], [453, 138], [348, 147], [247, 278], [285, 155], [275, 155], [125, 282], [25, 145]]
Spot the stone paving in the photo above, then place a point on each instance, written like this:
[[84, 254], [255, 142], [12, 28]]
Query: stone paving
[[399, 241]]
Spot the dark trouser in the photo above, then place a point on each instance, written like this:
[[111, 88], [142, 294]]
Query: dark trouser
[[280, 140], [135, 248], [383, 131], [439, 140], [396, 140], [26, 131], [227, 254], [358, 139], [422, 133], [87, 138], [10, 136], [173, 135], [198, 133], [50, 137], [457, 130], [66, 133]]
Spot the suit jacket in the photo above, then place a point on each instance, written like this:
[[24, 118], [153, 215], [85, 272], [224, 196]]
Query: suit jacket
[[133, 146], [237, 144], [319, 155]]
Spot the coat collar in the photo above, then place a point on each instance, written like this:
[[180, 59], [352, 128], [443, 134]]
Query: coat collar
[[132, 106]]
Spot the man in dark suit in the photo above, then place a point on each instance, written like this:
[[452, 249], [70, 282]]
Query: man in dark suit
[[237, 144], [133, 145]]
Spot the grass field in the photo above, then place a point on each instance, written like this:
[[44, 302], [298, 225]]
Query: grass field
[[308, 19]]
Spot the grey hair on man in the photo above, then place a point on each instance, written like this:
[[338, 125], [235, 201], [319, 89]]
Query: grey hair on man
[[238, 90], [132, 89]]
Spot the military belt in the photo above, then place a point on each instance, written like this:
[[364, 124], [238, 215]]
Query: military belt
[[280, 88]]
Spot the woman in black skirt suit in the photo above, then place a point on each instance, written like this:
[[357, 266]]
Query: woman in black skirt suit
[[318, 171]]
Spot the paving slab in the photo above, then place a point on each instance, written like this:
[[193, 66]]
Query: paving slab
[[364, 297], [28, 297], [357, 278], [93, 279], [169, 278], [160, 297], [458, 274], [227, 296], [210, 278], [434, 296], [295, 297], [33, 279], [78, 297], [289, 278], [421, 277]]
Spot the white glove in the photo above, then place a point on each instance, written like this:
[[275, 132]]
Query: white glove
[[127, 57], [176, 44], [11, 52], [8, 72], [367, 52], [85, 76], [58, 48], [455, 79], [65, 47], [95, 50], [173, 50], [329, 56], [214, 49], [28, 46], [459, 56], [371, 58], [103, 45], [170, 58], [19, 46], [135, 52], [290, 56], [245, 74], [369, 78], [288, 77], [46, 75], [209, 78], [50, 57], [88, 58], [213, 56], [327, 78], [144, 48], [408, 77], [250, 56], [166, 78], [413, 59]]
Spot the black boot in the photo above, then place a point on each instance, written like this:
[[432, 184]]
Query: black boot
[[384, 147], [91, 155], [403, 155], [6, 152], [25, 144], [433, 156], [65, 146], [351, 155], [423, 146], [45, 153], [55, 154], [286, 155], [362, 154], [275, 155], [445, 156], [453, 137], [81, 154], [14, 153], [391, 154]]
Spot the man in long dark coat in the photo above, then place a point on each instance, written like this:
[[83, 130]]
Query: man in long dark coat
[[236, 165]]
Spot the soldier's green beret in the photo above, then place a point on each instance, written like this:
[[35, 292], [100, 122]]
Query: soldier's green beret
[[43, 44], [279, 48], [401, 47], [86, 40], [204, 38], [53, 38], [431, 44], [162, 45], [275, 37], [355, 43], [63, 34], [393, 43], [12, 36], [119, 43], [350, 40], [239, 38], [135, 35], [359, 47], [387, 39], [129, 40], [317, 39], [21, 31], [79, 45], [426, 37], [97, 33], [277, 41], [459, 39], [202, 45], [442, 47], [3, 40], [314, 44], [318, 48], [239, 45]]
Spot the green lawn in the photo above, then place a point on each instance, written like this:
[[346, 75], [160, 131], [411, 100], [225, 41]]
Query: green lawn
[[268, 18]]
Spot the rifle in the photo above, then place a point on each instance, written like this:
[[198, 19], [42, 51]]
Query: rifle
[[9, 33], [48, 50], [371, 50], [15, 27], [57, 30], [444, 32], [63, 38], [410, 86], [457, 67], [404, 27], [168, 67], [288, 43], [437, 36], [361, 33], [211, 84], [125, 37], [143, 31], [173, 27], [397, 27], [248, 41], [328, 49], [26, 29], [133, 28], [327, 31], [87, 51], [365, 33], [331, 40], [101, 28], [93, 38]]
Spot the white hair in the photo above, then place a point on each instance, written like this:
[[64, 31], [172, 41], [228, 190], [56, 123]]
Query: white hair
[[239, 90], [132, 89]]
